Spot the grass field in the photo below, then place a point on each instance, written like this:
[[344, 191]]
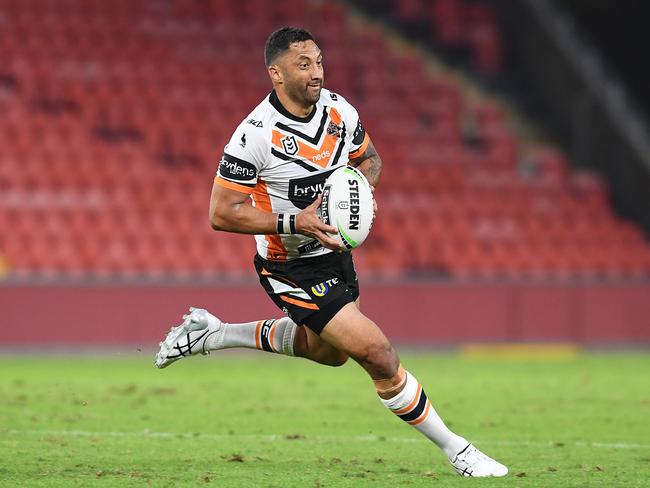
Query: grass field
[[265, 421]]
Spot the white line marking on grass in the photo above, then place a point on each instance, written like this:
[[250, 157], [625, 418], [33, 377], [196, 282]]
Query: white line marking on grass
[[324, 438], [604, 445]]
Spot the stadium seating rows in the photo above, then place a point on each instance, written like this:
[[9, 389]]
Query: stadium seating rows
[[114, 115], [463, 28]]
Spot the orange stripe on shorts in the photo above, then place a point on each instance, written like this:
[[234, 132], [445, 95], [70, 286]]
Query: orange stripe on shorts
[[299, 303]]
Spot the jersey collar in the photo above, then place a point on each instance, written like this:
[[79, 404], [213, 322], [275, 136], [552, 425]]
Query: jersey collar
[[275, 101]]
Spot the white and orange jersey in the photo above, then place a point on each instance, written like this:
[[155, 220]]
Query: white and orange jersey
[[282, 161]]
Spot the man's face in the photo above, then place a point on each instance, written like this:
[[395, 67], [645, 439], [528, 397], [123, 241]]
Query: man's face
[[301, 67]]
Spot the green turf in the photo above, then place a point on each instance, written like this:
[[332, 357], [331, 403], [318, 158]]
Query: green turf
[[268, 421]]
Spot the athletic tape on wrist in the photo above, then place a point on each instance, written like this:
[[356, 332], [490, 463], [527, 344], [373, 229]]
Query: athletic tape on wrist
[[286, 223], [280, 225]]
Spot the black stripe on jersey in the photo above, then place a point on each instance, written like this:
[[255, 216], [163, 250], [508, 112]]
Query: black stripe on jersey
[[299, 162], [340, 149], [417, 411], [310, 246], [264, 335], [313, 140]]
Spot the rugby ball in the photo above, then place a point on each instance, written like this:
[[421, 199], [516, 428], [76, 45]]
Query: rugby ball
[[348, 205]]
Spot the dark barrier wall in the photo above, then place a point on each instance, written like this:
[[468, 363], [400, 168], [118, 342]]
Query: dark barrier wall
[[581, 118], [427, 314]]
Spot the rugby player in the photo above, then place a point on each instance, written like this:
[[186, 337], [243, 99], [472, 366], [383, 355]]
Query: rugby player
[[280, 156]]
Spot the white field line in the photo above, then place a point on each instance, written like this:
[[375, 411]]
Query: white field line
[[278, 437]]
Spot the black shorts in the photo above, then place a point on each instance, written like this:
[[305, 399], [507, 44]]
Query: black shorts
[[310, 291]]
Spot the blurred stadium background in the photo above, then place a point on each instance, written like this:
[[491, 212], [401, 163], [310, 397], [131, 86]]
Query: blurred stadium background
[[514, 200]]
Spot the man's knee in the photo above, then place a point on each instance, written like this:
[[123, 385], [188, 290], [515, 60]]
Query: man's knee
[[309, 345], [379, 359], [336, 358], [360, 338]]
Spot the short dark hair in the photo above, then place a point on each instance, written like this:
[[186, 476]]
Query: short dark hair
[[281, 39]]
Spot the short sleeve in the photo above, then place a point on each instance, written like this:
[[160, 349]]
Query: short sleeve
[[242, 160], [360, 138]]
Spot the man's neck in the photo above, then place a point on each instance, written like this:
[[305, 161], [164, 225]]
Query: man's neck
[[293, 107]]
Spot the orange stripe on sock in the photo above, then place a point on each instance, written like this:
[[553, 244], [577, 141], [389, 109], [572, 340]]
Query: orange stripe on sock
[[275, 322], [422, 417], [257, 335], [411, 405]]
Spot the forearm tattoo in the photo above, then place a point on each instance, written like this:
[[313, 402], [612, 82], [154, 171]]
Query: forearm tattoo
[[369, 163]]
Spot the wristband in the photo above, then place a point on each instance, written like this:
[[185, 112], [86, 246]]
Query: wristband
[[286, 223], [280, 225], [292, 223]]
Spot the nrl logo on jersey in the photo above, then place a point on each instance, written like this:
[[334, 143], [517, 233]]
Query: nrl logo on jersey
[[334, 130], [289, 145]]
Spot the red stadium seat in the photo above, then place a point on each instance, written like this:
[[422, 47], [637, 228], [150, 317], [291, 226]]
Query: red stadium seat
[[111, 139]]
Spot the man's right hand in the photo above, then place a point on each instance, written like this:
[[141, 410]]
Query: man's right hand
[[308, 223]]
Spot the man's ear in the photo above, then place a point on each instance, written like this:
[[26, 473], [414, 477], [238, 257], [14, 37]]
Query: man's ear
[[275, 74]]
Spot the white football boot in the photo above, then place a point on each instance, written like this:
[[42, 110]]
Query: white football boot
[[472, 462], [188, 339]]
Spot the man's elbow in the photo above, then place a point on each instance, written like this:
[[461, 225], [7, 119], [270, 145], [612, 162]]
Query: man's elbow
[[217, 222]]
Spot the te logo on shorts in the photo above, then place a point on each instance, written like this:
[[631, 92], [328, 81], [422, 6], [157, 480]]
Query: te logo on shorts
[[321, 289]]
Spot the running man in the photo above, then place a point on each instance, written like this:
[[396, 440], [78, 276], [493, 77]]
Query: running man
[[280, 156]]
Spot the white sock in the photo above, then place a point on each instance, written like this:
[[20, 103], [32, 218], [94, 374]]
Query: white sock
[[413, 406], [266, 335]]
